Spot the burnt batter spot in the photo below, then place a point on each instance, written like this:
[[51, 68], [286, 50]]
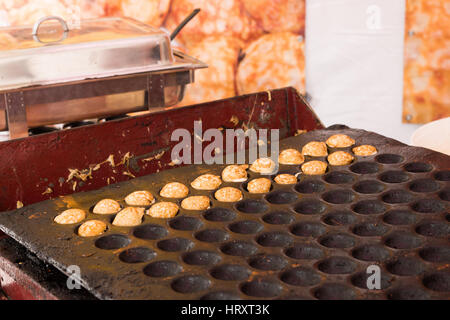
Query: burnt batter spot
[[438, 281], [364, 167], [418, 167], [261, 288], [394, 176], [403, 240], [239, 248], [175, 244], [339, 218], [279, 217], [408, 293], [368, 229], [304, 251], [190, 284], [232, 272], [337, 265], [435, 254], [201, 258], [310, 186], [433, 229], [113, 241], [428, 206], [368, 187], [136, 255], [389, 158], [212, 235], [185, 223], [219, 215], [163, 268], [274, 239], [369, 207], [424, 185], [397, 196], [334, 291], [370, 252], [405, 266], [281, 197], [338, 177], [310, 206], [252, 206], [338, 196], [308, 229], [399, 217], [150, 232], [300, 276]]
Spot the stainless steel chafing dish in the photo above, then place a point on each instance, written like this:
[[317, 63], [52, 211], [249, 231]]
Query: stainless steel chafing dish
[[50, 73]]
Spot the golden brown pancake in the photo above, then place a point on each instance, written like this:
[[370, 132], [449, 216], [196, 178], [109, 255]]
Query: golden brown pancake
[[285, 179], [139, 198], [206, 182], [234, 173], [315, 149], [70, 216], [106, 206], [174, 190], [196, 203], [129, 217], [263, 165], [340, 158], [228, 194], [260, 185], [364, 150], [340, 141], [92, 228], [291, 157], [163, 210], [314, 167]]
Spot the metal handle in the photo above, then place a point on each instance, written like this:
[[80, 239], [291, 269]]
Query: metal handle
[[42, 20]]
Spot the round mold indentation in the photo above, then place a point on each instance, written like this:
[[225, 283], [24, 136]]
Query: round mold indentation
[[418, 167], [435, 254], [274, 239], [445, 194], [308, 229], [278, 217], [337, 265], [281, 197], [175, 244], [399, 217], [246, 227], [190, 284], [219, 215], [212, 235], [364, 167], [137, 255], [389, 158], [428, 206], [334, 291], [310, 186], [405, 266], [162, 268], [252, 206], [424, 185], [337, 240], [310, 206], [239, 248], [338, 196], [304, 251], [369, 207], [232, 272], [442, 175], [339, 218], [437, 281], [394, 176], [112, 242], [370, 252], [268, 262], [184, 223], [360, 280], [221, 295], [202, 258], [408, 292], [369, 229], [433, 229], [402, 240], [338, 177], [261, 288], [397, 196], [368, 187], [150, 232], [300, 276]]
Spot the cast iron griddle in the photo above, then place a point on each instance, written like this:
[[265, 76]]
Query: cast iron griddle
[[312, 240]]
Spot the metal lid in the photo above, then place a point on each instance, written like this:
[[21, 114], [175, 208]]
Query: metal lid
[[50, 52]]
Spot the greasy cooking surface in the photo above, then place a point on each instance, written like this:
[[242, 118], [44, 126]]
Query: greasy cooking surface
[[311, 240]]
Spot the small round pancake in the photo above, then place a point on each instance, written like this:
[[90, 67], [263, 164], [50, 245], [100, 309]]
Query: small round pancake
[[340, 158], [235, 173], [260, 185], [340, 141], [206, 182], [70, 216], [92, 228], [196, 203], [364, 150], [174, 190], [163, 210], [228, 194], [129, 217], [263, 165], [106, 206], [291, 157], [314, 167], [285, 178], [140, 198], [315, 149]]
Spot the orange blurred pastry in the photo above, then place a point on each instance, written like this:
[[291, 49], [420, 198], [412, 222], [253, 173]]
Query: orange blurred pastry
[[260, 185], [291, 157], [285, 178], [129, 217], [340, 141], [196, 203], [174, 190], [314, 167], [206, 182], [315, 149], [106, 206], [263, 165], [70, 216], [228, 194], [163, 210], [140, 198], [152, 12], [92, 228], [234, 173], [364, 150], [340, 158]]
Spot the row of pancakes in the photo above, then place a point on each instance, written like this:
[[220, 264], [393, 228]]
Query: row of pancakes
[[136, 201]]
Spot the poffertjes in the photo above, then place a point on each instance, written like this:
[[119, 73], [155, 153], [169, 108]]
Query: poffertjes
[[129, 217], [139, 198], [163, 210], [92, 228], [260, 185], [106, 206], [314, 167], [70, 216], [196, 203]]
